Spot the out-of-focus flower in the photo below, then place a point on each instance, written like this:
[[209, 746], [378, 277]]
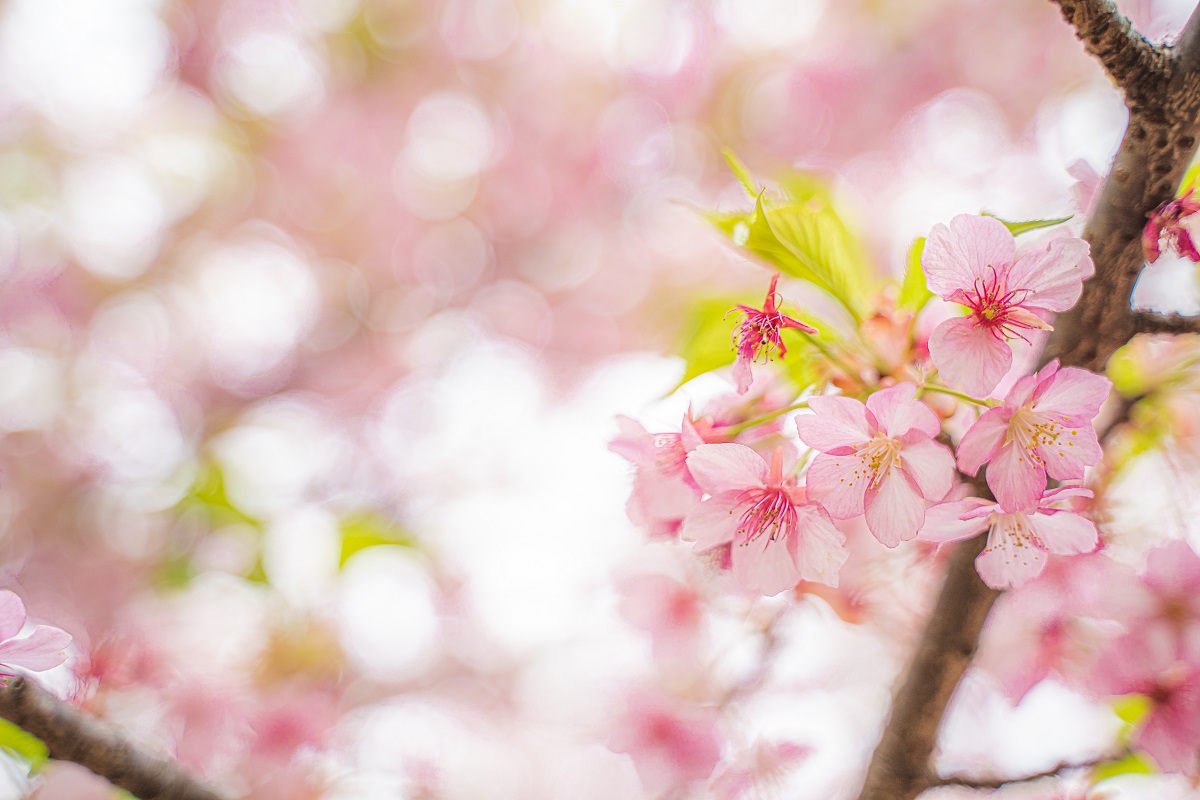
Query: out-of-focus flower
[[1043, 428], [974, 262], [1148, 663], [41, 650], [1167, 596], [671, 746], [1172, 221], [878, 459], [758, 336], [756, 769], [778, 537], [1018, 541]]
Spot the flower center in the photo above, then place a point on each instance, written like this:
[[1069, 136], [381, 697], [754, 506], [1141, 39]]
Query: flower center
[[997, 308], [769, 512], [757, 336], [876, 460], [1030, 431]]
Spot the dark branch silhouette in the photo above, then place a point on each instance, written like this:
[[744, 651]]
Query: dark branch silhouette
[[72, 735]]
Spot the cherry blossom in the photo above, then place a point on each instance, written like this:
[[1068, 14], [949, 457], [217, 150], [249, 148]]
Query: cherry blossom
[[758, 335], [974, 262], [1043, 428], [671, 744], [1018, 541], [778, 537], [1172, 221], [41, 650], [663, 489], [877, 459]]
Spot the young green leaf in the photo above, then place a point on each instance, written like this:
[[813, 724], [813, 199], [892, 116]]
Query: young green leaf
[[914, 293], [1017, 228]]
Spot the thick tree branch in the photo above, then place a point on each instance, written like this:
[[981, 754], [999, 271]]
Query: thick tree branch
[[73, 736], [1152, 322], [900, 766], [1162, 90], [1139, 68]]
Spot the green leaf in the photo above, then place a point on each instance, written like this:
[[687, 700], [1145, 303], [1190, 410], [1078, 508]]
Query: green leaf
[[807, 240], [366, 529], [741, 173], [23, 745], [1131, 708], [1017, 228], [1126, 373], [1132, 764], [801, 234], [706, 339], [914, 293]]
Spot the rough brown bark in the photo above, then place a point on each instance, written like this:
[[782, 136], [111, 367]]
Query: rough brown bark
[[74, 736], [1162, 90], [1150, 322]]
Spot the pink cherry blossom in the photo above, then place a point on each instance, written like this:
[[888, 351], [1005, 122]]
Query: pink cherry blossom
[[1018, 541], [778, 539], [758, 335], [671, 744], [1043, 428], [1148, 663], [878, 459], [1171, 220], [41, 650], [663, 489], [974, 262]]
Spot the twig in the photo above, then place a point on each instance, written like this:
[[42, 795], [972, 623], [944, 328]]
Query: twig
[[1153, 322], [967, 782], [1141, 69], [73, 736]]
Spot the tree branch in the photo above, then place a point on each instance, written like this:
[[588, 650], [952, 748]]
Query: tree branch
[[1138, 67], [967, 782], [1162, 90], [900, 766], [73, 736], [1153, 322]]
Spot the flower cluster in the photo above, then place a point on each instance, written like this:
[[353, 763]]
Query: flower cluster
[[877, 451]]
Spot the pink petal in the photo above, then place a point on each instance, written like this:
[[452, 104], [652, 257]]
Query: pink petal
[[1065, 532], [713, 522], [983, 439], [955, 257], [838, 484], [40, 650], [969, 356], [765, 565], [819, 550], [944, 522], [12, 614], [1015, 480], [1075, 394], [931, 466], [1055, 273], [894, 509], [726, 467], [1075, 450], [898, 411], [1174, 567], [663, 496], [742, 375], [837, 423], [1007, 563]]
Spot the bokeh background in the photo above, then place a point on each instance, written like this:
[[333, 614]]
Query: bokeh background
[[315, 316]]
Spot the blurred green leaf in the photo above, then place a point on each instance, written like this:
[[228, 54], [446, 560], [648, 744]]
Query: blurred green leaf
[[1126, 373], [741, 173], [914, 293], [208, 494], [1132, 764], [23, 745], [1017, 228], [366, 529], [706, 339], [1131, 708]]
